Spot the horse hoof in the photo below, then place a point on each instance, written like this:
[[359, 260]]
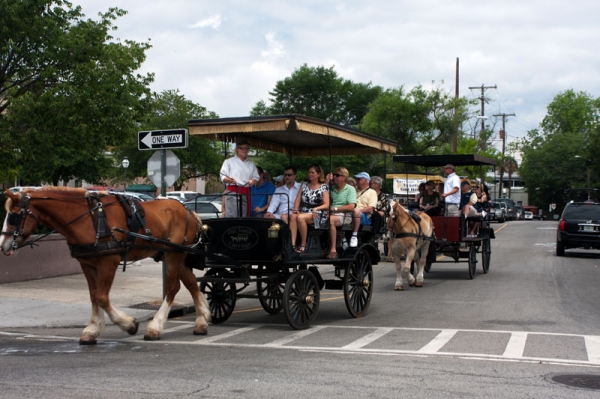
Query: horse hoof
[[87, 341], [201, 332], [412, 284], [419, 285], [398, 288], [152, 336], [133, 329]]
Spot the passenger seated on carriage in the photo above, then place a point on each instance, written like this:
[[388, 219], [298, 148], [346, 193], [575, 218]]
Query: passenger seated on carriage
[[366, 201], [430, 200], [261, 194], [343, 202], [283, 198], [311, 201], [468, 200]]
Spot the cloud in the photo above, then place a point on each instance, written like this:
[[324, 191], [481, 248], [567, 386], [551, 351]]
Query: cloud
[[213, 21], [275, 48]]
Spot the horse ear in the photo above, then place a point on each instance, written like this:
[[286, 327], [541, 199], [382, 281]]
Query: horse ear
[[16, 197]]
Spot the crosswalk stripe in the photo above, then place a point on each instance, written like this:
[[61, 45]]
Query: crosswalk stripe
[[367, 339], [516, 345], [592, 345], [438, 342]]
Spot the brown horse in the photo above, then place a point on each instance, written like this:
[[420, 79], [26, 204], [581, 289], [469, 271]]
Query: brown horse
[[408, 237], [91, 225]]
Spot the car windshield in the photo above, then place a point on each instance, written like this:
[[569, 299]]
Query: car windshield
[[583, 211]]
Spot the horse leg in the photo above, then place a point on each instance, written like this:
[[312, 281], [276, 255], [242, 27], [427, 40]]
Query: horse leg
[[96, 325], [188, 279], [172, 285], [421, 264], [410, 256], [102, 272]]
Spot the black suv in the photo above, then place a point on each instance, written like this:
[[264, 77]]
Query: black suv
[[578, 227]]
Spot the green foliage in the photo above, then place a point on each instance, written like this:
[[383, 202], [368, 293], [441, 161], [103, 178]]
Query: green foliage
[[171, 110], [69, 91], [557, 157], [421, 121]]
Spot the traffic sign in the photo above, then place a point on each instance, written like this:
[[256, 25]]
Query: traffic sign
[[157, 139], [173, 169]]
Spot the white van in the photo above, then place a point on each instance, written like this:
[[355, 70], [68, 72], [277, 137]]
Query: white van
[[182, 195]]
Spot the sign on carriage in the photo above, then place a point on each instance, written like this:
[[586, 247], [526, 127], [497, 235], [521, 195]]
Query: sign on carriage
[[158, 139]]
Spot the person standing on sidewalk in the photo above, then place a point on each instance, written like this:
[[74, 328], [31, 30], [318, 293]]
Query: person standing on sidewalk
[[239, 174], [451, 194]]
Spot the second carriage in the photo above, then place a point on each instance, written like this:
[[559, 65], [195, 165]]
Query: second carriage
[[451, 237], [240, 252]]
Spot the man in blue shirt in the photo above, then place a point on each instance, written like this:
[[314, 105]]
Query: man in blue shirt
[[261, 194]]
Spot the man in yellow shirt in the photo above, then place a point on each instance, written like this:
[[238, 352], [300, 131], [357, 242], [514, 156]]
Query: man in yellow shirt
[[366, 202]]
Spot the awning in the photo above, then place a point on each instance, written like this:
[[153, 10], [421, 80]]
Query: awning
[[142, 188]]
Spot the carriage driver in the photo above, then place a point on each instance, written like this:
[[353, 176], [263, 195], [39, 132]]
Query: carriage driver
[[343, 202], [239, 174], [451, 192]]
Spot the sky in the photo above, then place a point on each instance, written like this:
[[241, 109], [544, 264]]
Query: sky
[[227, 55]]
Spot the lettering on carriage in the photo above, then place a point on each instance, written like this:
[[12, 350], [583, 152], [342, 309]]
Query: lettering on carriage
[[240, 238]]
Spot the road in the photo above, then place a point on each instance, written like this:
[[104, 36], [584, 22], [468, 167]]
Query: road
[[509, 333]]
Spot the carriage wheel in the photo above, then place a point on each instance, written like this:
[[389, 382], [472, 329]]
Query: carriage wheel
[[270, 295], [301, 298], [221, 296], [472, 260], [358, 284], [486, 254]]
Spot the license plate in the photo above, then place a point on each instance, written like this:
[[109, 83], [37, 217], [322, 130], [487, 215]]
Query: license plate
[[588, 228]]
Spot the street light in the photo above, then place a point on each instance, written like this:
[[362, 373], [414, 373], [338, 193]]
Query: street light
[[125, 164]]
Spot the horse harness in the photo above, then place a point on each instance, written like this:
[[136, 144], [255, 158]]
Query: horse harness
[[135, 217], [416, 219]]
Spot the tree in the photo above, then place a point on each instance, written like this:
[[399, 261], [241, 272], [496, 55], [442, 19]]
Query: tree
[[419, 120], [171, 110], [556, 156], [320, 93], [69, 92]]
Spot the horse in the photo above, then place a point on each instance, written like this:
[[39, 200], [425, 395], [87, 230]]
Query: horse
[[84, 220], [410, 235]]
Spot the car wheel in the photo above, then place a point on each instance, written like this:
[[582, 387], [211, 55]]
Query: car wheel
[[560, 249]]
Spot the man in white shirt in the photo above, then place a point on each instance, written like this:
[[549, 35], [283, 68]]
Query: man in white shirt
[[451, 192], [283, 199], [239, 174]]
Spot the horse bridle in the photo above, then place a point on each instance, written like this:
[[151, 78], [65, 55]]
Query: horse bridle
[[18, 220]]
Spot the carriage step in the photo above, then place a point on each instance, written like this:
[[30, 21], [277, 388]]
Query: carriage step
[[334, 284]]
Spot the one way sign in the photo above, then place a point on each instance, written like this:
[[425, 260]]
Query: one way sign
[[157, 139]]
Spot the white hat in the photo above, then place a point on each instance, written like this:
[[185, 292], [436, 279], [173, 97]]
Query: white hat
[[278, 178]]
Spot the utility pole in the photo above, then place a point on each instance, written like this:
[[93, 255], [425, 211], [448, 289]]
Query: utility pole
[[503, 137], [455, 138], [482, 98]]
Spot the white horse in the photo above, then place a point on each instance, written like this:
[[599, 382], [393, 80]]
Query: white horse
[[410, 235]]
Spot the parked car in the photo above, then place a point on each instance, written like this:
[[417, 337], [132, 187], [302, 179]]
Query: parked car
[[510, 207], [578, 227], [498, 211], [528, 215], [182, 195], [133, 194], [205, 209], [214, 197]]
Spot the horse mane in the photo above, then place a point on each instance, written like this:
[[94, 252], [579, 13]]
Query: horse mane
[[55, 192]]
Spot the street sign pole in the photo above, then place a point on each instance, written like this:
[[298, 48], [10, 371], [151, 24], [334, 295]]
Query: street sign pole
[[163, 192]]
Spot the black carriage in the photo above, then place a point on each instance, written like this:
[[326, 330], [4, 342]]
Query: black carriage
[[241, 252], [451, 237]]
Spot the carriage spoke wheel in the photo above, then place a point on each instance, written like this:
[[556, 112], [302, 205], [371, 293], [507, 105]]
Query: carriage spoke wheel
[[472, 260], [358, 284], [486, 254], [301, 299], [270, 295], [221, 296]]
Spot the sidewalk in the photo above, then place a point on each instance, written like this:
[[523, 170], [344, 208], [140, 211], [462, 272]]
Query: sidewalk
[[65, 301]]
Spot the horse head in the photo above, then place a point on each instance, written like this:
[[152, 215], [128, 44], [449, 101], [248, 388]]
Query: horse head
[[19, 223], [398, 219]]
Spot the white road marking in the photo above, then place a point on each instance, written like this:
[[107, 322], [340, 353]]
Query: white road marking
[[516, 345], [438, 342], [367, 339], [295, 336], [592, 345]]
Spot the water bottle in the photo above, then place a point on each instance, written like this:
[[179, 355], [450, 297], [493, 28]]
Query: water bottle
[[318, 221]]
